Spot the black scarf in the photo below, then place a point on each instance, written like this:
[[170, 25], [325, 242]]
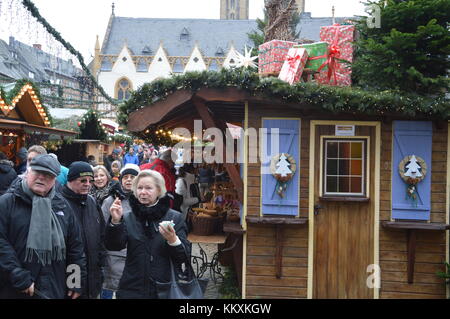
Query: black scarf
[[152, 213], [148, 215]]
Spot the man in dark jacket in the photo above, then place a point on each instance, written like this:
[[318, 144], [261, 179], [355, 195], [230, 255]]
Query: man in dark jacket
[[41, 250], [7, 173], [89, 215]]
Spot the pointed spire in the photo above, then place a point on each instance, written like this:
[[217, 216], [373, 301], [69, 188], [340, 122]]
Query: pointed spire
[[113, 6], [332, 14], [97, 45], [97, 60]]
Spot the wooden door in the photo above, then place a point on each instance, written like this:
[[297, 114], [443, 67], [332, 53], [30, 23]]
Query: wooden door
[[344, 212]]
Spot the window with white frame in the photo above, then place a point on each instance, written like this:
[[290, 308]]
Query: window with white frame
[[344, 167]]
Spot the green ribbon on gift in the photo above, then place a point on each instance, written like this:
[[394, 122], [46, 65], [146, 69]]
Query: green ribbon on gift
[[317, 54]]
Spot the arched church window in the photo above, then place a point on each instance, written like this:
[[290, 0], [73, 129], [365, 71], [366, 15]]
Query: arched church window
[[232, 4], [123, 89]]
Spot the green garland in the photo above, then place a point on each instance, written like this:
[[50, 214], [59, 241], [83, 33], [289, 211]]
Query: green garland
[[62, 87], [329, 98], [29, 5], [8, 97]]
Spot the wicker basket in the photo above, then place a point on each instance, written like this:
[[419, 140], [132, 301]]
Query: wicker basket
[[204, 226]]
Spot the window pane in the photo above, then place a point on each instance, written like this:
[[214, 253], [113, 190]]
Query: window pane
[[120, 94], [127, 95], [331, 167], [344, 167], [356, 167], [124, 83], [331, 185], [356, 150], [344, 149], [356, 185], [344, 184], [332, 149]]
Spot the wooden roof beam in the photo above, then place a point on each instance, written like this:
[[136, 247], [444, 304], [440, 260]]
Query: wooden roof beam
[[209, 122]]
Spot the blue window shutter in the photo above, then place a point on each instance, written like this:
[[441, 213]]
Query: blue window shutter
[[288, 141], [411, 138]]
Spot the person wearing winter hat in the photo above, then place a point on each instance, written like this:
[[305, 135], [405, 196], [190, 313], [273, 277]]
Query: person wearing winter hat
[[85, 207], [22, 157], [115, 261], [40, 237]]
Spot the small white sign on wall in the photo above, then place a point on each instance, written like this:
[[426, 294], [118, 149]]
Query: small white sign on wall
[[345, 130]]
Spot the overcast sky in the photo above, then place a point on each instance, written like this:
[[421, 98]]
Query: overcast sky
[[79, 21]]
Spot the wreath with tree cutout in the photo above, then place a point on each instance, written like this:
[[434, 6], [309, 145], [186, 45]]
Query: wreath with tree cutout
[[283, 168], [412, 170]]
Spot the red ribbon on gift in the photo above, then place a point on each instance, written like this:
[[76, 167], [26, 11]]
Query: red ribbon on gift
[[333, 54], [292, 60]]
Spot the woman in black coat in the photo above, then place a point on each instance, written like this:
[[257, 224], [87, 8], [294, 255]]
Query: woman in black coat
[[150, 245]]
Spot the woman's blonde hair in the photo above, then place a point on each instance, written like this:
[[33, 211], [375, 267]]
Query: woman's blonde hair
[[157, 178], [103, 168]]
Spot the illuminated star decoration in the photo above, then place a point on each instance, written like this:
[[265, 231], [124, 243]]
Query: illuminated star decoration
[[246, 60]]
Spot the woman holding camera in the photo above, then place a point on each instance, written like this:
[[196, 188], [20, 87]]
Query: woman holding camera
[[151, 246]]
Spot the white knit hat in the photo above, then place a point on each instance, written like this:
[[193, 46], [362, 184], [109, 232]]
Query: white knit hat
[[129, 168]]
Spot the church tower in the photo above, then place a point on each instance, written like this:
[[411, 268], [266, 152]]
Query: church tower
[[300, 6], [234, 9]]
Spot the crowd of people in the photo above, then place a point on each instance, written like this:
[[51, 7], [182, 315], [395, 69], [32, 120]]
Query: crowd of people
[[93, 231]]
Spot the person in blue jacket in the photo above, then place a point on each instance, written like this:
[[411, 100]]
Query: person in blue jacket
[[130, 157]]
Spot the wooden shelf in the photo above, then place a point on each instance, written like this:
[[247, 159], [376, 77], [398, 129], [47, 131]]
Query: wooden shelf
[[344, 199], [277, 220], [415, 225], [234, 228], [411, 236]]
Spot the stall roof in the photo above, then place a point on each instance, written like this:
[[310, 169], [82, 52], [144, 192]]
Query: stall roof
[[13, 124], [178, 109]]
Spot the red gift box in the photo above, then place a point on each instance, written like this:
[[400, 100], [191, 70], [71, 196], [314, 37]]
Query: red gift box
[[272, 55], [340, 50], [293, 66]]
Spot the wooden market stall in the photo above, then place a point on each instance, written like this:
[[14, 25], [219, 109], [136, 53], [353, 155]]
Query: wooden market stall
[[336, 198], [23, 119]]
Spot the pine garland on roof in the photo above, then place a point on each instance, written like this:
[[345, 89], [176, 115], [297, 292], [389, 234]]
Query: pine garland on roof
[[329, 98]]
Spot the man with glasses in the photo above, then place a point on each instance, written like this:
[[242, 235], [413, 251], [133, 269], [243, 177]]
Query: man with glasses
[[39, 237], [89, 215]]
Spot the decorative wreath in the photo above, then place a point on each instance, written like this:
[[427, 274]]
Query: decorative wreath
[[412, 181], [282, 181]]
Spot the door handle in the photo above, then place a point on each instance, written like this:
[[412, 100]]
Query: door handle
[[317, 207]]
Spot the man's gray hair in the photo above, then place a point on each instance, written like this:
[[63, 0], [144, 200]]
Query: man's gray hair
[[37, 149]]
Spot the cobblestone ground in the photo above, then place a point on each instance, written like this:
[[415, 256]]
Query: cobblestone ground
[[212, 290]]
